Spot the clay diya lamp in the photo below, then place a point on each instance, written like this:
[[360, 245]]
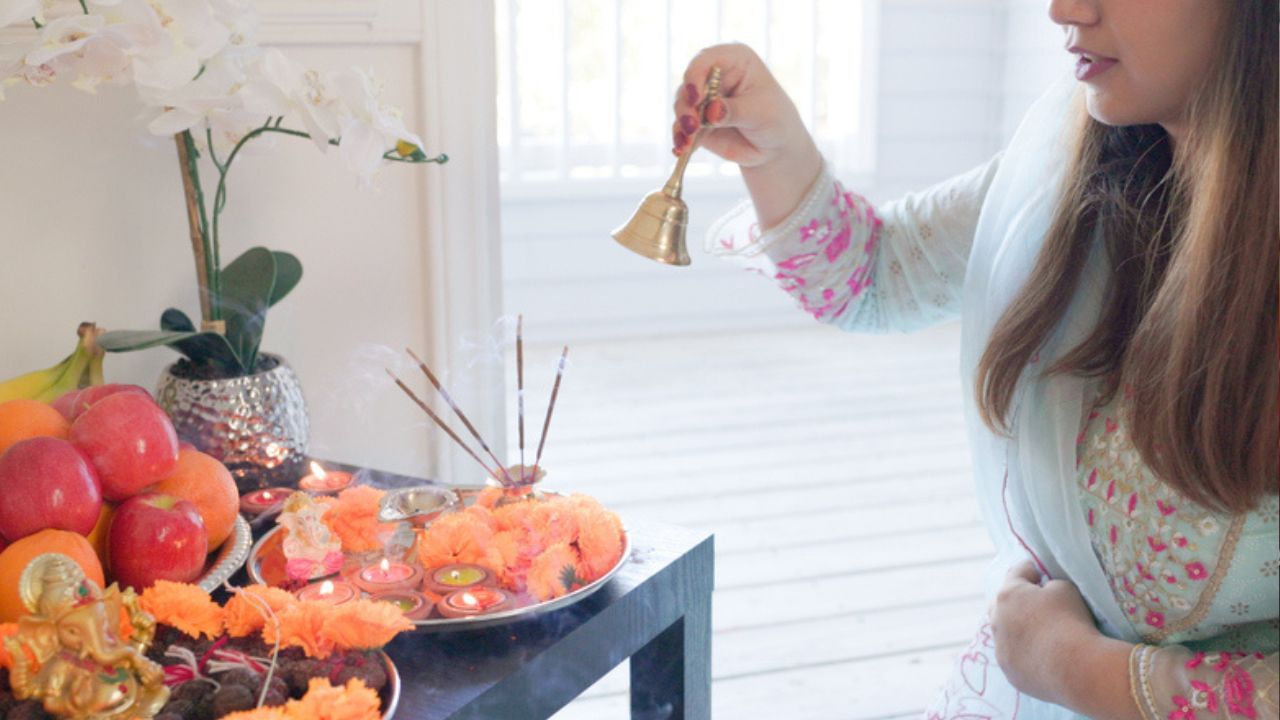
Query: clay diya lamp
[[459, 576], [325, 482], [479, 600], [266, 500], [414, 605], [334, 592], [386, 575]]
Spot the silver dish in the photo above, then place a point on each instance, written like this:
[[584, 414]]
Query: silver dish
[[392, 699], [478, 621], [232, 554]]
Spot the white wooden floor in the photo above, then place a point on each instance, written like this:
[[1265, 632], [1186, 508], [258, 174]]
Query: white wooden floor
[[834, 472]]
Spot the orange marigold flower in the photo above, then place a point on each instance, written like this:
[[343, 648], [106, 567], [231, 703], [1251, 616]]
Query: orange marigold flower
[[463, 537], [323, 701], [554, 572], [302, 625], [554, 521], [599, 542], [489, 497], [516, 516], [185, 607], [354, 519], [244, 615], [262, 713], [364, 624]]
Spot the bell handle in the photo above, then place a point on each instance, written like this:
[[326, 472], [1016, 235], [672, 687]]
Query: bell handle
[[675, 183]]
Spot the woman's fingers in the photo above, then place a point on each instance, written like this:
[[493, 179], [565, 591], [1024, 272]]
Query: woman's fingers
[[1024, 571]]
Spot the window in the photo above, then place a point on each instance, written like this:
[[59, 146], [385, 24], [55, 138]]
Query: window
[[585, 86]]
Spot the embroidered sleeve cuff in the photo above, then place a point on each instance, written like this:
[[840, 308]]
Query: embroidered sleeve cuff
[[737, 234]]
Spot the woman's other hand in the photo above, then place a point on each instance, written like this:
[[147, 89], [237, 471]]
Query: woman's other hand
[[1038, 631], [752, 123]]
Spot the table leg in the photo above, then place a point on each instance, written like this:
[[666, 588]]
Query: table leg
[[671, 675]]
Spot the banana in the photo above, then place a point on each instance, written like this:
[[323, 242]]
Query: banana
[[79, 369]]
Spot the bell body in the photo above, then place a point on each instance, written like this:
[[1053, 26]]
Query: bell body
[[657, 229]]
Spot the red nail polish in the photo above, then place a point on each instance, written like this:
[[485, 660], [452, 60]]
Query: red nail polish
[[716, 111], [688, 124], [681, 138], [691, 93]]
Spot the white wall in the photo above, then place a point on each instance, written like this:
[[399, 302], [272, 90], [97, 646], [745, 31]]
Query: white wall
[[952, 77], [93, 227]]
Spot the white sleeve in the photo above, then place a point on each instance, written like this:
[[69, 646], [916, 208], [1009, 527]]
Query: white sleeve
[[847, 264]]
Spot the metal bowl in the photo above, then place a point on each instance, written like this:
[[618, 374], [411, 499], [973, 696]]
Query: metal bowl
[[232, 554], [418, 506], [391, 693]]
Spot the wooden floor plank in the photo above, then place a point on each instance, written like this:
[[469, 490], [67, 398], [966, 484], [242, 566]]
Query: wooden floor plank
[[835, 473]]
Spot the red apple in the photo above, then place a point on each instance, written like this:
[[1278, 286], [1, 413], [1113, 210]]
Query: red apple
[[47, 483], [156, 537], [130, 442], [75, 402]]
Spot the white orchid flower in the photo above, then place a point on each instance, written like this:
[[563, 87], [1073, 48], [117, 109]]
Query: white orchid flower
[[371, 127]]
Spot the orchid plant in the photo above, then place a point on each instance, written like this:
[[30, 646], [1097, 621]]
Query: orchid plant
[[197, 68]]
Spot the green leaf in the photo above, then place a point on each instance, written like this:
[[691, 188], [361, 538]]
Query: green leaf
[[288, 273], [247, 286], [569, 578], [201, 348], [175, 320], [130, 340]]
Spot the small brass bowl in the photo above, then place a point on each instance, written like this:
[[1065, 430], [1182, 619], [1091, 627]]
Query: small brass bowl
[[419, 506]]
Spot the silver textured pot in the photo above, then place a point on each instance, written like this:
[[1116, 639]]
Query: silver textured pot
[[257, 425]]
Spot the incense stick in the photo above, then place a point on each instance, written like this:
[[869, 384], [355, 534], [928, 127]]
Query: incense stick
[[461, 416], [520, 386], [430, 413], [551, 405]]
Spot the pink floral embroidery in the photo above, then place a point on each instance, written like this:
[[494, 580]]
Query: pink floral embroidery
[[1183, 710], [1156, 545], [1155, 619], [1196, 571], [797, 262], [839, 244]]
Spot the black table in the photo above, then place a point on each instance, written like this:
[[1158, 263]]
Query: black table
[[656, 610]]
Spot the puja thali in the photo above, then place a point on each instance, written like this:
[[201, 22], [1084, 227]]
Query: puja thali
[[266, 565]]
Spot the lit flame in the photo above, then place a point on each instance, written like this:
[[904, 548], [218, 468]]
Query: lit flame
[[455, 575], [469, 599], [384, 565], [326, 587], [266, 494], [317, 470]]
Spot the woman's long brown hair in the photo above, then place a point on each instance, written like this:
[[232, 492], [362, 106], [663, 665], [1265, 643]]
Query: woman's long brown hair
[[1189, 322]]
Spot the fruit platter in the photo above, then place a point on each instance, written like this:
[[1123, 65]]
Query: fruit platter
[[99, 475], [493, 557]]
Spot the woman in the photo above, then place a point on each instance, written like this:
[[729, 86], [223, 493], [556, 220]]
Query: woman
[[1115, 270]]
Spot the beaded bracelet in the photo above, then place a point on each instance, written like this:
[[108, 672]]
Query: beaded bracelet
[[1139, 680]]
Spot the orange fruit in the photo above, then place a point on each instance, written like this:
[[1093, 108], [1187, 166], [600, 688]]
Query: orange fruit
[[206, 483], [98, 536], [17, 556], [24, 419]]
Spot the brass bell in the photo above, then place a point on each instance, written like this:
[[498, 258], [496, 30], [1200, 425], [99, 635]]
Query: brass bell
[[657, 228]]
